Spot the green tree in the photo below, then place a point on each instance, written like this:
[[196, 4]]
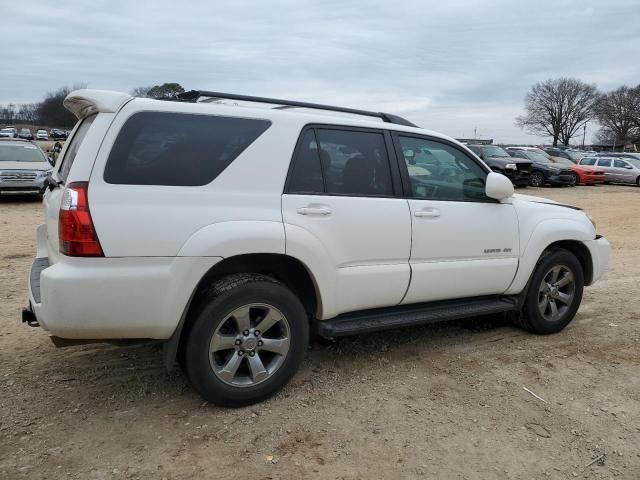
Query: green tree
[[166, 91]]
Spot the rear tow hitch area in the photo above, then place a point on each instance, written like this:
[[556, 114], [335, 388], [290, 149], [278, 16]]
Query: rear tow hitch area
[[29, 317]]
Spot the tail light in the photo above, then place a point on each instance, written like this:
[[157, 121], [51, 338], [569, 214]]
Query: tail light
[[76, 232]]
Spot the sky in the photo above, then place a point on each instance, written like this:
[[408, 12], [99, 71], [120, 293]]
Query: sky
[[450, 66]]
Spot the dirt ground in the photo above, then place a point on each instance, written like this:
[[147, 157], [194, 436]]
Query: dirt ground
[[446, 401]]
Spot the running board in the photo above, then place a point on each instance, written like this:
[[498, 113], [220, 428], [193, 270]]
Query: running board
[[375, 320]]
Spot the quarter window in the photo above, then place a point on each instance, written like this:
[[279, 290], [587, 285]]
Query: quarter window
[[74, 146], [440, 172], [161, 148]]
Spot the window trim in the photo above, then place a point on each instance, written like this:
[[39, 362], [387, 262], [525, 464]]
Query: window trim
[[404, 171], [396, 183]]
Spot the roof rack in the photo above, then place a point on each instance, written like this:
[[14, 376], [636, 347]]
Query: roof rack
[[194, 95]]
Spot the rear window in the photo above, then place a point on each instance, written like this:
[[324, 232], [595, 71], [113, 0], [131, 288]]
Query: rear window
[[161, 148], [72, 150]]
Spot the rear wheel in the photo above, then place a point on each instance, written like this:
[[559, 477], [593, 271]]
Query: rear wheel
[[248, 338], [555, 292], [536, 179]]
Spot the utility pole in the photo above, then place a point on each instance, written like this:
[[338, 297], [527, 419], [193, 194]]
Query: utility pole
[[475, 131], [584, 133]]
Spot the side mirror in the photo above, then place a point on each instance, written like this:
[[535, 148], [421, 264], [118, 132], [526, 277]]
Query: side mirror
[[52, 161], [498, 186]]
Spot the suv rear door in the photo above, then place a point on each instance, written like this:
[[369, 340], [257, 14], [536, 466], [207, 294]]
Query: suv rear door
[[343, 196]]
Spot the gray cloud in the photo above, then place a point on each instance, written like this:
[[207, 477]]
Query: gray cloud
[[449, 66]]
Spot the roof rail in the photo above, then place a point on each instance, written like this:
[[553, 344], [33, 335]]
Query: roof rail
[[194, 95]]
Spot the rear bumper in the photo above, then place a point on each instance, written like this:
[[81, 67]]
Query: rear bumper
[[599, 249], [110, 298]]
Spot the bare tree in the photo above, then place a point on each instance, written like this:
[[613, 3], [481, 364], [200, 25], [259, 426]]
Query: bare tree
[[558, 108], [619, 112]]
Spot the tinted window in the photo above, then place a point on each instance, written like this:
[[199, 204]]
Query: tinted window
[[306, 176], [604, 163], [159, 148], [72, 149], [440, 172], [588, 161], [354, 162], [518, 154], [619, 164]]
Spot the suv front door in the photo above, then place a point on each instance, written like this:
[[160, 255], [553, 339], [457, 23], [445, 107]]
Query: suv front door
[[342, 209], [463, 243]]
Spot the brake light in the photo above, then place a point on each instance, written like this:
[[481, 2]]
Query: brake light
[[76, 232]]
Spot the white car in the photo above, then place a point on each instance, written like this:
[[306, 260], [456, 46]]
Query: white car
[[42, 135], [232, 231], [24, 168]]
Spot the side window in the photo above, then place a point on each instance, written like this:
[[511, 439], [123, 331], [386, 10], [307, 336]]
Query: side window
[[161, 148], [619, 164], [605, 162], [517, 154], [354, 162], [588, 161], [306, 176], [72, 150], [440, 172]]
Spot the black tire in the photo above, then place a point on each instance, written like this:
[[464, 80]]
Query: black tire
[[638, 181], [536, 179], [531, 318], [575, 180], [213, 308]]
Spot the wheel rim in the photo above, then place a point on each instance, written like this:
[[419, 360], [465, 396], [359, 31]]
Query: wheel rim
[[536, 179], [574, 179], [556, 293], [249, 345]]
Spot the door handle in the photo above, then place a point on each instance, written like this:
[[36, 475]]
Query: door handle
[[322, 211], [427, 213]]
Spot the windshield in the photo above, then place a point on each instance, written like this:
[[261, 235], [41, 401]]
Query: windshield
[[538, 157], [563, 161], [633, 161], [494, 152], [20, 153], [575, 156]]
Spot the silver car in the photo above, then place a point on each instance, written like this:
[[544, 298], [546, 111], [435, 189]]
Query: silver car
[[23, 167], [616, 170]]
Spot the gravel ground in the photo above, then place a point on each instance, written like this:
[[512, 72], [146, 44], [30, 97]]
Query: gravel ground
[[444, 401]]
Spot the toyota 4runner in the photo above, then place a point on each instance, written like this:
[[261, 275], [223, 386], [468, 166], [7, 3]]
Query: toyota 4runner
[[232, 231]]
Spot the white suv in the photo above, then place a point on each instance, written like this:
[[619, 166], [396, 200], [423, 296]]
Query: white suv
[[232, 231]]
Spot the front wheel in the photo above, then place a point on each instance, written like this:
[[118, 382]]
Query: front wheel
[[537, 179], [248, 338], [575, 180], [554, 294]]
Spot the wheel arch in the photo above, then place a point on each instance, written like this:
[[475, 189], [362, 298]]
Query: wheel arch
[[289, 270]]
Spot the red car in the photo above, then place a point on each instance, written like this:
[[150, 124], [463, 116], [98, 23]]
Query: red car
[[585, 175]]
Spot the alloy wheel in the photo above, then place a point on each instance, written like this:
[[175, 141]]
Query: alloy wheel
[[556, 293], [249, 345]]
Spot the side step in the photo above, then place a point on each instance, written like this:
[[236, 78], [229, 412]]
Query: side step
[[367, 321]]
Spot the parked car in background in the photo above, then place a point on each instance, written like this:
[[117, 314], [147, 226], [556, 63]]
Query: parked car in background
[[42, 135], [26, 134], [616, 170], [543, 170], [9, 132], [23, 167], [57, 134], [498, 160], [572, 155], [582, 174]]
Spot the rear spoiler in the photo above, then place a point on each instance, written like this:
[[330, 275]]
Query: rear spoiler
[[85, 102]]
